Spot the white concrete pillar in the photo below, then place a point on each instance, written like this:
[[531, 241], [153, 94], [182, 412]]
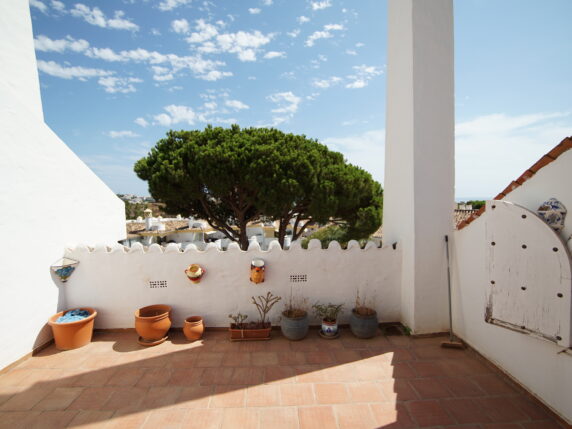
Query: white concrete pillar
[[17, 55], [419, 154]]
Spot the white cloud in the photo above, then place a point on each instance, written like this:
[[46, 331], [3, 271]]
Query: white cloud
[[254, 10], [211, 105], [96, 17], [167, 5], [123, 85], [493, 150], [319, 5], [287, 106], [326, 83], [274, 54], [180, 26], [82, 73], [360, 45], [236, 104], [351, 52], [58, 5], [244, 44], [40, 5], [294, 33], [45, 44], [303, 19], [122, 134], [267, 2], [362, 75], [326, 33], [366, 150], [176, 115], [141, 122]]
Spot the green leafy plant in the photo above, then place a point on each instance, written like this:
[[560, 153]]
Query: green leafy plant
[[328, 312], [238, 319]]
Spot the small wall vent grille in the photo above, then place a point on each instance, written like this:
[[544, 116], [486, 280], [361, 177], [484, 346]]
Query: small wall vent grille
[[298, 278], [156, 284]]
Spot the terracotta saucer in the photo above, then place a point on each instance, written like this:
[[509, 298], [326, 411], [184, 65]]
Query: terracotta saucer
[[148, 343], [329, 337]]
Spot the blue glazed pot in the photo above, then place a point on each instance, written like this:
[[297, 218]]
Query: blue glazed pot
[[329, 329], [294, 328], [363, 326]]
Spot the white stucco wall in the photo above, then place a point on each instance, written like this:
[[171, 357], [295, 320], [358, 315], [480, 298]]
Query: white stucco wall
[[116, 281], [419, 157], [48, 196], [536, 364]]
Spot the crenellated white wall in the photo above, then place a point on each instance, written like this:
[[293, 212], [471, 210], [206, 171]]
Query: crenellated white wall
[[542, 367], [115, 280], [48, 196]]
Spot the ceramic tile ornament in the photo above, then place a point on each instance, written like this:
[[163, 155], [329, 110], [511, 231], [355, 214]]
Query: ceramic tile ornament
[[64, 268], [195, 273], [553, 212], [257, 269]]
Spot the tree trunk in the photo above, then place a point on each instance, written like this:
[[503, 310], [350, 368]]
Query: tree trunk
[[243, 237], [282, 231]]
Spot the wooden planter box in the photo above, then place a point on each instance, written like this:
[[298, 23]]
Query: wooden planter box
[[236, 334]]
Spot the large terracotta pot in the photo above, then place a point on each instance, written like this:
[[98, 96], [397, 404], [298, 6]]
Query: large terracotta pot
[[72, 335], [152, 323], [194, 328]]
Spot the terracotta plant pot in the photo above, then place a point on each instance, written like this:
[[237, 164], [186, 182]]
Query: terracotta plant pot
[[237, 334], [194, 328], [152, 323], [72, 335]]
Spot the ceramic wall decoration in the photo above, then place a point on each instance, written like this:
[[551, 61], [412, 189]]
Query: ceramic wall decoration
[[257, 269], [553, 212], [64, 268], [195, 273]]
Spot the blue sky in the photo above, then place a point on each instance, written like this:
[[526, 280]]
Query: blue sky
[[116, 75]]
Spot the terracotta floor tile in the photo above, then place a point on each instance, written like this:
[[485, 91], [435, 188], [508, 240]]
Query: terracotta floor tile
[[365, 392], [430, 388], [305, 345], [125, 397], [391, 416], [279, 418], [244, 418], [203, 419], [465, 410], [17, 419], [545, 424], [26, 399], [427, 368], [493, 384], [297, 394], [354, 416], [228, 397], [462, 366], [212, 376], [130, 418], [279, 375], [351, 342], [183, 360], [155, 377], [209, 360], [372, 371], [160, 396], [429, 413], [126, 377], [236, 359], [400, 340], [503, 426], [402, 370], [194, 397], [317, 417], [15, 377], [98, 377], [398, 355], [346, 356], [532, 410], [186, 376], [247, 376], [398, 390], [461, 386], [52, 419], [331, 393], [263, 396], [91, 419], [436, 352], [379, 341], [501, 410], [59, 399], [292, 358], [165, 419], [322, 357], [314, 373], [264, 358], [92, 398]]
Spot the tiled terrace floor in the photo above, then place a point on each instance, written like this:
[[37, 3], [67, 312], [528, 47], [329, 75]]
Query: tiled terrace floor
[[391, 381]]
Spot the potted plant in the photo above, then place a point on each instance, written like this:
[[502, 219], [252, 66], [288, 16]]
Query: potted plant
[[152, 324], [260, 330], [72, 328], [328, 313], [194, 328], [363, 319], [295, 321]]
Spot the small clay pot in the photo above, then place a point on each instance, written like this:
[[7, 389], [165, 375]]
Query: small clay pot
[[72, 335], [153, 322], [194, 328]]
